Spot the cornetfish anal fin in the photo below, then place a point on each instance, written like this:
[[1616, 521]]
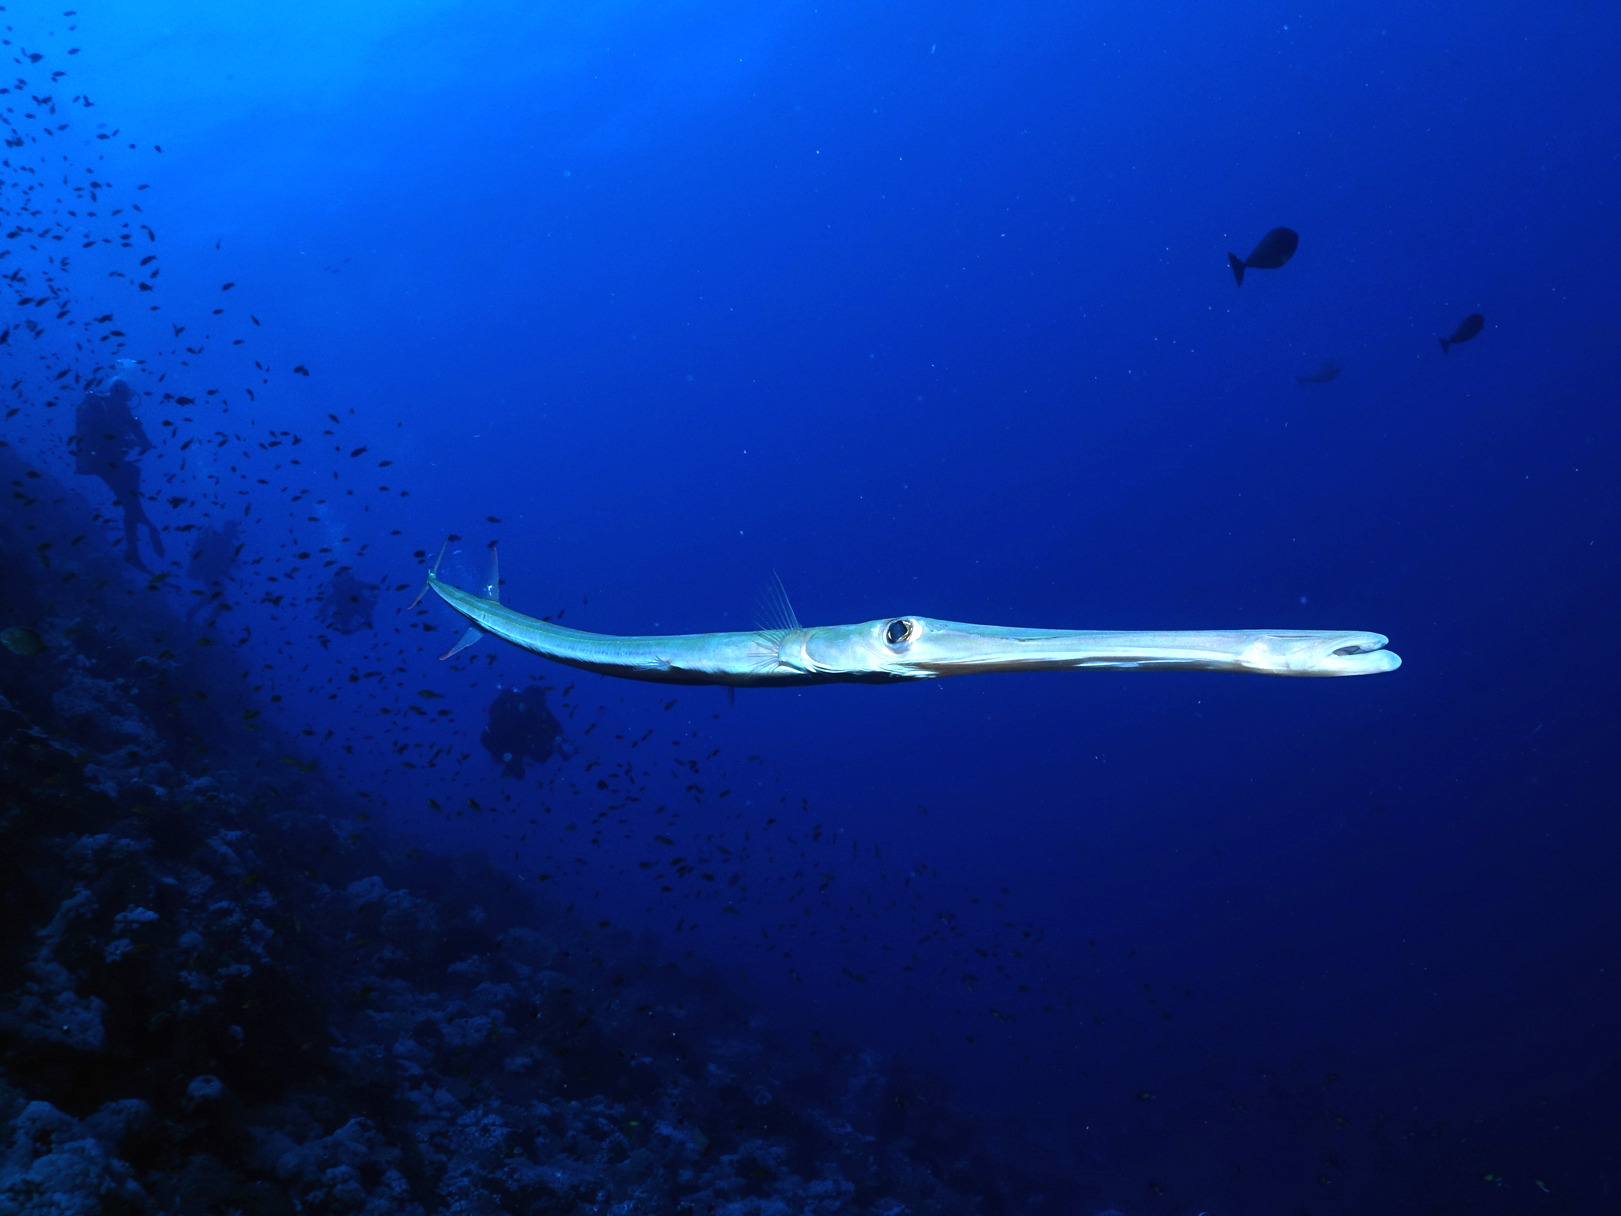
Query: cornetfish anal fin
[[772, 612], [462, 643]]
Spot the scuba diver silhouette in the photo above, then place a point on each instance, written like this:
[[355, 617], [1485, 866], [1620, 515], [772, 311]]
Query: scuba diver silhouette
[[106, 435], [522, 728]]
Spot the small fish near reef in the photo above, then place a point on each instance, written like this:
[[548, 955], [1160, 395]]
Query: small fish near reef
[[1467, 328], [1274, 249], [21, 641], [1321, 374]]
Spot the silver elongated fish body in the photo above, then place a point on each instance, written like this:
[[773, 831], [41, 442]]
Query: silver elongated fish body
[[913, 648]]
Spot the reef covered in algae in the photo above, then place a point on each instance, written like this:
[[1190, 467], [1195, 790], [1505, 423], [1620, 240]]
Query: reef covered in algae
[[224, 989]]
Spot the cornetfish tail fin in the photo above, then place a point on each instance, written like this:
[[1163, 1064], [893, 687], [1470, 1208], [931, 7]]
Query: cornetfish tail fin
[[492, 591], [433, 573], [1237, 263], [1444, 346]]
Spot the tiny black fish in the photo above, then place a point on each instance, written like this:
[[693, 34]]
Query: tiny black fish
[[1275, 248], [1321, 374], [1467, 328]]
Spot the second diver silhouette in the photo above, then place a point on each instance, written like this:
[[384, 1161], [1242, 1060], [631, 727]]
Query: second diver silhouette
[[106, 438], [522, 728]]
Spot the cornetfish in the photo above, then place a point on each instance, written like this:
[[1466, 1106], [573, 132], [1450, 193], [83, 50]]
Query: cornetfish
[[904, 647]]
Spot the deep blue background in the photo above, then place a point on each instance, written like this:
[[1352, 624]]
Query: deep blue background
[[926, 307]]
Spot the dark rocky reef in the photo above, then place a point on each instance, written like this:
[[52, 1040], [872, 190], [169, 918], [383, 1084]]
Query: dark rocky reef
[[222, 990]]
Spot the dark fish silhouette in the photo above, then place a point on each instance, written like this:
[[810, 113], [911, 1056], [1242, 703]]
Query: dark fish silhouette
[[1321, 374], [1275, 248], [1467, 328], [22, 641]]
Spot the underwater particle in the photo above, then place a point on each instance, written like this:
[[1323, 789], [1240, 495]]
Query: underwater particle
[[1321, 374], [1273, 250], [1467, 328], [22, 641]]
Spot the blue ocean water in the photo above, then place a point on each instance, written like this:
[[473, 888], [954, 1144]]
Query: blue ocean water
[[927, 309]]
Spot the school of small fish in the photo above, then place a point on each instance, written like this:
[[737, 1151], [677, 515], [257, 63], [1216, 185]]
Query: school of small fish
[[253, 507]]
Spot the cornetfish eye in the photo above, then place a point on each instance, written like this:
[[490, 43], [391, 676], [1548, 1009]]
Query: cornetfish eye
[[897, 632]]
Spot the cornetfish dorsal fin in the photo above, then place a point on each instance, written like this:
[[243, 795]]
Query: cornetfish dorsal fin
[[492, 577], [772, 612]]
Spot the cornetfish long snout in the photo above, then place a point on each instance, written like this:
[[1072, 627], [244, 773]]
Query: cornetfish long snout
[[942, 648]]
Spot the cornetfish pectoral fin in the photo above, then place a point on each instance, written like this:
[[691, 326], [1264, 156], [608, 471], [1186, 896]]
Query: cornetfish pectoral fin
[[775, 622], [772, 611]]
